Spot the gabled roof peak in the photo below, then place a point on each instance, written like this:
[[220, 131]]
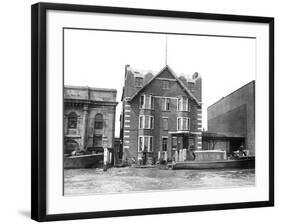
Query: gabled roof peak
[[143, 72], [174, 75]]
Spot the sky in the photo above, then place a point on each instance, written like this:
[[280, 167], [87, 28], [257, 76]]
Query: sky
[[98, 58]]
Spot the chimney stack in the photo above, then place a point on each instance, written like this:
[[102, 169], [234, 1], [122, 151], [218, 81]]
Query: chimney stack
[[197, 86]]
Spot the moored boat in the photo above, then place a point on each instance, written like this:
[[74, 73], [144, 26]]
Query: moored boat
[[144, 166], [243, 162], [83, 161]]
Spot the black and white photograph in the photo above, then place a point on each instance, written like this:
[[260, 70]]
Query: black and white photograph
[[132, 111], [148, 111]]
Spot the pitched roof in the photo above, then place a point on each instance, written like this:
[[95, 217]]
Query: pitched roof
[[177, 79]]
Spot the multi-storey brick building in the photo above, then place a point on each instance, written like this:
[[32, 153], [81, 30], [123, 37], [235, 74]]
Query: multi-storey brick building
[[89, 118], [161, 114]]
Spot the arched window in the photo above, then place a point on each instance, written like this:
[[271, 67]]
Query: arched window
[[98, 121], [72, 120]]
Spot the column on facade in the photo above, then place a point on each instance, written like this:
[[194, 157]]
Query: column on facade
[[176, 156], [184, 154], [84, 127], [180, 155], [165, 156], [199, 141]]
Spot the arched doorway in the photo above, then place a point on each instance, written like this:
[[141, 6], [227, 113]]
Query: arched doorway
[[70, 145]]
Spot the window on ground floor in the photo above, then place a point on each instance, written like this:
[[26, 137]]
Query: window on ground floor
[[164, 143], [191, 143], [145, 144], [174, 142]]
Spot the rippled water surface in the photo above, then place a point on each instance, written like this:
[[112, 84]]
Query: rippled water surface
[[114, 180]]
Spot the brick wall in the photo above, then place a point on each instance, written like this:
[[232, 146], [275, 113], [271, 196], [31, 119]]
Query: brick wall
[[131, 112]]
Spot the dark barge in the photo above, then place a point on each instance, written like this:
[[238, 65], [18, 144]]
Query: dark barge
[[241, 163], [83, 161]]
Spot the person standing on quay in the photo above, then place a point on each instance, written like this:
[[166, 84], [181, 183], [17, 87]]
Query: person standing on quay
[[105, 158]]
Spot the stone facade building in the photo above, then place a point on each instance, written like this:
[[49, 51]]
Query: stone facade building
[[233, 116], [161, 114], [89, 118]]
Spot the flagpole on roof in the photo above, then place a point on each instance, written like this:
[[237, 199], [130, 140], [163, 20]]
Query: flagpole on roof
[[166, 51]]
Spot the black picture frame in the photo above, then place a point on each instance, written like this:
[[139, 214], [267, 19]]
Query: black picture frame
[[39, 107]]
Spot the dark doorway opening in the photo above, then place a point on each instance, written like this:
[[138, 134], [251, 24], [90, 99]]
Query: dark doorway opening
[[235, 143]]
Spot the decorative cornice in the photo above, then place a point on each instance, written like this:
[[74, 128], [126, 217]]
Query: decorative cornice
[[90, 102]]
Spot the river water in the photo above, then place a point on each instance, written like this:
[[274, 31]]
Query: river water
[[128, 179]]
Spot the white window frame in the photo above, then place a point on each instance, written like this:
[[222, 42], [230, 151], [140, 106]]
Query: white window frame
[[164, 100], [150, 104], [150, 143], [140, 149], [179, 123], [150, 124], [141, 122], [186, 104], [184, 123], [183, 104], [142, 106], [174, 137], [183, 120], [166, 137]]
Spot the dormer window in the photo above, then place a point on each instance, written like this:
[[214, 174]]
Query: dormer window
[[138, 82], [165, 84]]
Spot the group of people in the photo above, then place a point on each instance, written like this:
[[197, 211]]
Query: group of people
[[241, 152]]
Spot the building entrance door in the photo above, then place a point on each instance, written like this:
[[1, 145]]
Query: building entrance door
[[185, 142]]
